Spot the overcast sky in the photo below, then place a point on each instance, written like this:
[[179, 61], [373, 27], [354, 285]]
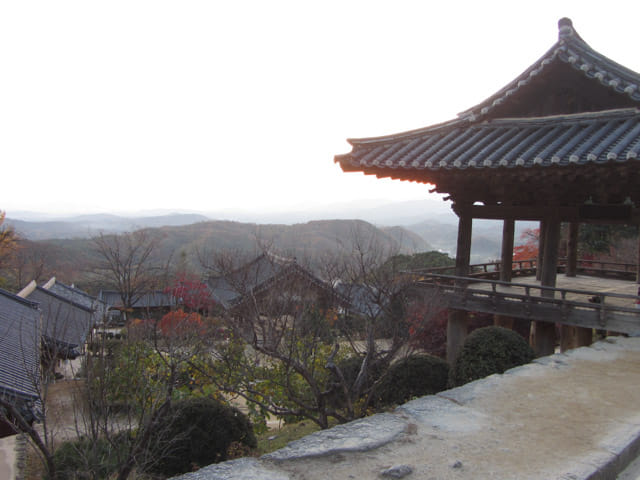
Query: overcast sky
[[207, 105]]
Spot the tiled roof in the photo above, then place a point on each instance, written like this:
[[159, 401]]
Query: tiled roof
[[602, 137], [77, 296], [572, 50], [154, 299], [363, 299], [64, 323], [257, 275], [480, 139], [20, 347]]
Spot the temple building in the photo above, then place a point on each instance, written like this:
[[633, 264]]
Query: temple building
[[558, 144]]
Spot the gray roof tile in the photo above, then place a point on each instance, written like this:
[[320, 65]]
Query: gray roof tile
[[65, 324], [154, 299], [78, 296], [20, 347], [254, 277], [600, 137], [479, 139]]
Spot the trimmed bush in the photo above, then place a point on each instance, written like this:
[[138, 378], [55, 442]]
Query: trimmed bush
[[487, 351], [410, 377], [199, 432]]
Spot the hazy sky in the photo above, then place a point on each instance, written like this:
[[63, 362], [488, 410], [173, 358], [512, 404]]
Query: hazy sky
[[207, 105]]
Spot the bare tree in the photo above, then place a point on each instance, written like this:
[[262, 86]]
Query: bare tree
[[291, 330], [8, 239], [129, 392], [127, 264]]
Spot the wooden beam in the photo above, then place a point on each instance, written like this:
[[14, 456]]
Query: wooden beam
[[581, 213]]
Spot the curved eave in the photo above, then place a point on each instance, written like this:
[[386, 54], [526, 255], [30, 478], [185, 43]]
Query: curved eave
[[600, 138]]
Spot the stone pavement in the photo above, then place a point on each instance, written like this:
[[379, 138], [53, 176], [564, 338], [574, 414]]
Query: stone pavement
[[12, 457], [569, 416]]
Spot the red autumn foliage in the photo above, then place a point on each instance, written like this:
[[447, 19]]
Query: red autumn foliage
[[529, 249], [427, 329], [181, 324], [191, 293]]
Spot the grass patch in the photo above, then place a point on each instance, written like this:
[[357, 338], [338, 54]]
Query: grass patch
[[279, 437]]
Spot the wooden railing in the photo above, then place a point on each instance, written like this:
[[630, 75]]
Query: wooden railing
[[602, 268], [591, 309], [491, 270], [485, 270]]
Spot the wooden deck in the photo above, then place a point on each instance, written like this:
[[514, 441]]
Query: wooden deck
[[584, 301]]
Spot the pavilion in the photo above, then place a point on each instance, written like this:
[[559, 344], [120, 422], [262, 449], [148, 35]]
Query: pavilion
[[559, 143]]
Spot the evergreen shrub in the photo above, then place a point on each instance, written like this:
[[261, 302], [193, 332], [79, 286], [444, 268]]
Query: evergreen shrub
[[414, 376], [487, 351], [199, 432]]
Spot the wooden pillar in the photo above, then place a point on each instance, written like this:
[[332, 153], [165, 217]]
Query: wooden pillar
[[541, 240], [508, 230], [458, 319], [638, 267], [572, 250], [574, 337], [584, 337], [568, 337], [545, 332]]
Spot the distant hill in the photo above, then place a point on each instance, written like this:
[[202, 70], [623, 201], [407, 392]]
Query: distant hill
[[486, 236], [71, 258], [40, 226], [308, 241], [86, 226]]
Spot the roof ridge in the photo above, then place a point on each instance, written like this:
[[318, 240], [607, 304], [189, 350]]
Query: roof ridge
[[599, 115], [24, 301], [571, 49], [64, 299]]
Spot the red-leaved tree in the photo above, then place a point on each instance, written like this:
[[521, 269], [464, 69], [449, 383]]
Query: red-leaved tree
[[181, 324], [191, 293], [529, 249]]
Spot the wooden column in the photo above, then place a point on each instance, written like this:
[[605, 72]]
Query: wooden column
[[508, 229], [506, 265], [583, 337], [458, 319], [545, 332], [541, 240], [573, 337], [572, 250], [638, 267]]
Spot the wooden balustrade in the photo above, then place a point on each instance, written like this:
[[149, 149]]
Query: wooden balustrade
[[581, 308], [491, 270]]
